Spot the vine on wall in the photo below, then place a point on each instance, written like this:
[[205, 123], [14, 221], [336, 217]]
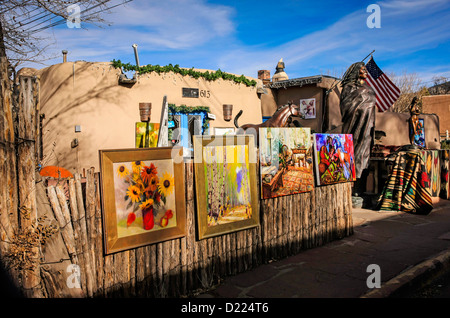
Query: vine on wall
[[183, 109], [210, 76]]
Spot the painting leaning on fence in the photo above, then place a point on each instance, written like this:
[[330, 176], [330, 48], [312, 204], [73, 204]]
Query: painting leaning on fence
[[226, 185], [285, 161], [334, 158]]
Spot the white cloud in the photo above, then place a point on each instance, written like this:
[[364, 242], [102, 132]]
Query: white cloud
[[153, 25]]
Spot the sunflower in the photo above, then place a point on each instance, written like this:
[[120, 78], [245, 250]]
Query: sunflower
[[137, 166], [148, 203], [134, 193], [153, 183], [148, 193], [122, 171], [165, 185], [148, 172], [136, 177]]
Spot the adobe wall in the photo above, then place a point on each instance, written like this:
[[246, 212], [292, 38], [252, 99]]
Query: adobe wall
[[295, 94], [327, 118], [439, 105], [88, 94], [396, 128]]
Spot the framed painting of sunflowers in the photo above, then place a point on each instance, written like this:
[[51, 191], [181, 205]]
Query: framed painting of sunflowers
[[226, 184], [142, 200]]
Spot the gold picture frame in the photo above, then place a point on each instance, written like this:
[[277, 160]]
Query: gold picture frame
[[226, 184], [143, 196]]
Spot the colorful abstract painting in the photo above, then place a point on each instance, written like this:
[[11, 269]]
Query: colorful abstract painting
[[334, 158], [308, 108], [286, 162], [146, 134], [419, 136], [225, 182]]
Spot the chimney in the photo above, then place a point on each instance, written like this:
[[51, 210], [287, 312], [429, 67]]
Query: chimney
[[64, 52], [136, 54], [264, 75]]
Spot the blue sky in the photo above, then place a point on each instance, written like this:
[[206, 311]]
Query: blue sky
[[243, 36]]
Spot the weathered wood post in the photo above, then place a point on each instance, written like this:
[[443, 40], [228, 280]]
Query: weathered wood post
[[8, 170], [28, 105]]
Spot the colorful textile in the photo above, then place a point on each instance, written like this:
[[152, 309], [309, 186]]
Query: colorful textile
[[444, 157], [432, 169], [407, 187]]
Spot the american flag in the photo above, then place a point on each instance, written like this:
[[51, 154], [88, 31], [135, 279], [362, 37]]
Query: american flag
[[386, 91]]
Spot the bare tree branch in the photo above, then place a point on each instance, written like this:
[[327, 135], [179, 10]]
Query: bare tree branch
[[410, 86], [21, 22]]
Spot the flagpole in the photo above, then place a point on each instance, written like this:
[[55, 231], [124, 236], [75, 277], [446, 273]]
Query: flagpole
[[370, 54]]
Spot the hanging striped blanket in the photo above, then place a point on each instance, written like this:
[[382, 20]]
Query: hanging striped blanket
[[407, 187]]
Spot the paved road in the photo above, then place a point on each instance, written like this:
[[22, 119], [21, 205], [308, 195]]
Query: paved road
[[395, 241]]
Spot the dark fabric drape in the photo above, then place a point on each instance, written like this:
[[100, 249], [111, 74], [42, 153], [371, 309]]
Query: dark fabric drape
[[358, 117], [407, 187]]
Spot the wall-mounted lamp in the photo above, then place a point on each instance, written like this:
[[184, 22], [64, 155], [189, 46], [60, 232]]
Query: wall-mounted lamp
[[145, 110], [227, 112]]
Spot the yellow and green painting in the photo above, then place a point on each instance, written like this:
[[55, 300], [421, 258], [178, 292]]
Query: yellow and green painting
[[227, 183], [144, 196], [146, 134]]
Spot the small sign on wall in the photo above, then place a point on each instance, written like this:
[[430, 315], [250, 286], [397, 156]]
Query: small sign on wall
[[308, 108], [189, 92]]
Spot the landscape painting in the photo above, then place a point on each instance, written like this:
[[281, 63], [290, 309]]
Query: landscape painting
[[286, 163], [334, 158], [225, 183]]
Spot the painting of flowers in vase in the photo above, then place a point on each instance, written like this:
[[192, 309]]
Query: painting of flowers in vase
[[143, 201]]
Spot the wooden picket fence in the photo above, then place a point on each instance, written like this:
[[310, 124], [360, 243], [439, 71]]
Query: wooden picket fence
[[182, 267]]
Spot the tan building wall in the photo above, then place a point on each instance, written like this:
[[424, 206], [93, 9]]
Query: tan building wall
[[439, 105], [328, 117], [295, 94], [395, 126], [88, 94], [269, 102]]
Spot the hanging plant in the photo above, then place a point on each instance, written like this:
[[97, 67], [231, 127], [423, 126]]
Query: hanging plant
[[210, 76]]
